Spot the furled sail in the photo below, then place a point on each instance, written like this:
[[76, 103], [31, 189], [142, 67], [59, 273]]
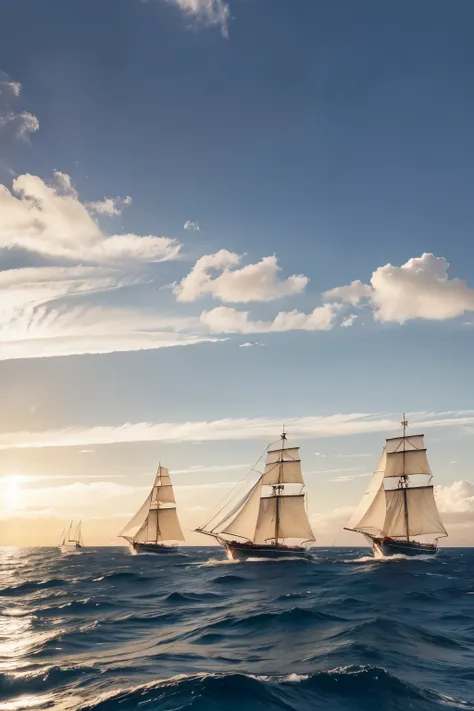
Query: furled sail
[[157, 519]]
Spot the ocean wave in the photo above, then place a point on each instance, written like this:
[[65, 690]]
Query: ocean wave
[[31, 587], [344, 688], [101, 630]]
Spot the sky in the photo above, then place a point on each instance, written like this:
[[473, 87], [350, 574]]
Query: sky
[[218, 216]]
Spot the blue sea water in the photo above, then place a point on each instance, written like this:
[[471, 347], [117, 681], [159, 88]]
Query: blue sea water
[[104, 630]]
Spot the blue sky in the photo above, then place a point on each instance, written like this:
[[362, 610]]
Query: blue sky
[[327, 145]]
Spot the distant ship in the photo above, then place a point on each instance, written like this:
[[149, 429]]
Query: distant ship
[[399, 503], [72, 539], [269, 521], [156, 528]]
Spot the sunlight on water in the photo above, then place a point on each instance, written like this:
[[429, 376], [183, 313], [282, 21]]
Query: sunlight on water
[[107, 630]]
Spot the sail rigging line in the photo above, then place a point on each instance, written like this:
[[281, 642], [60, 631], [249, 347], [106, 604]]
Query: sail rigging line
[[240, 486]]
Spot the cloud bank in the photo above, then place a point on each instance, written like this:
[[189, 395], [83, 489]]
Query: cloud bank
[[231, 429]]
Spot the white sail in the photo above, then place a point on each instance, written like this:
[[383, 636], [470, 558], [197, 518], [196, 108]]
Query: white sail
[[292, 519], [277, 455], [409, 443], [135, 524], [283, 466], [423, 514], [156, 521], [170, 528], [411, 462], [244, 523], [369, 516], [283, 473], [382, 461]]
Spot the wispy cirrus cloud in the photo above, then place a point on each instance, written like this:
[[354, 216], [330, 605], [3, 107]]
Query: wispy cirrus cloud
[[229, 429], [43, 315], [13, 120]]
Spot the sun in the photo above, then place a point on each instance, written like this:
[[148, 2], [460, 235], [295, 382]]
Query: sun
[[11, 494]]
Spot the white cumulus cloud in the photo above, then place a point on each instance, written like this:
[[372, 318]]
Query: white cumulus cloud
[[191, 226], [225, 319], [419, 289], [219, 275]]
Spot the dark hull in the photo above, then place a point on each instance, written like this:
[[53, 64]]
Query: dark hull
[[388, 547], [154, 548], [243, 551]]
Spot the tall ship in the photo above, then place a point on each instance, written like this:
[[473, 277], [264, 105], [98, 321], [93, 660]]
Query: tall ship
[[270, 520], [71, 539], [155, 528], [399, 504]]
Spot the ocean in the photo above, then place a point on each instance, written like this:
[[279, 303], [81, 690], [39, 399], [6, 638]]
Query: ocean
[[104, 630]]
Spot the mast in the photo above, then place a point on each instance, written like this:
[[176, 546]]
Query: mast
[[405, 477], [278, 488]]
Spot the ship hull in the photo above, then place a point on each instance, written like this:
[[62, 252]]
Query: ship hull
[[390, 546], [157, 548], [68, 547], [244, 551]]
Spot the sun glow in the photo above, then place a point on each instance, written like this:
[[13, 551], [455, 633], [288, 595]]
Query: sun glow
[[11, 494]]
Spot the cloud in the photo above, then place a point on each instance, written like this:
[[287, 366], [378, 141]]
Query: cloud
[[200, 468], [42, 315], [224, 319], [253, 282], [456, 501], [419, 289], [230, 429], [191, 226], [210, 12], [65, 499], [14, 121], [349, 321], [331, 521], [109, 206], [250, 344], [50, 220]]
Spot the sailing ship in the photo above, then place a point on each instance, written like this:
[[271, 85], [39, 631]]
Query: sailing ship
[[269, 521], [399, 503], [155, 528], [72, 539]]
